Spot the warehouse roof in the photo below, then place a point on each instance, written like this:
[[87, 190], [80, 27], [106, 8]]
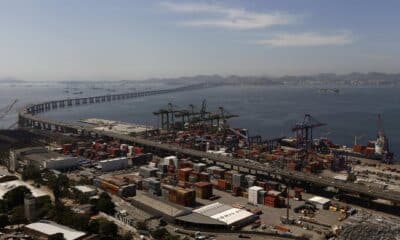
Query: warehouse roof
[[212, 209], [320, 200], [232, 215], [49, 228], [224, 213], [164, 207], [43, 156], [84, 188], [200, 219], [10, 185]]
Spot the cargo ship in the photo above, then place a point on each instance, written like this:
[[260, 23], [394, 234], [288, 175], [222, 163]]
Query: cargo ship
[[375, 149]]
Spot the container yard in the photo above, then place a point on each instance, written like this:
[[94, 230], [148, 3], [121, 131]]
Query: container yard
[[203, 194]]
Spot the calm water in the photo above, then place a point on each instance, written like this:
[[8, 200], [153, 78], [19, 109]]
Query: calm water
[[268, 111]]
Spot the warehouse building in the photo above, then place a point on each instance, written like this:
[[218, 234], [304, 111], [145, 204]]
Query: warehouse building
[[86, 190], [228, 215], [320, 202], [159, 207], [44, 229]]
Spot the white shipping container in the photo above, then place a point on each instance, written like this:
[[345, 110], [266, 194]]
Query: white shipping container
[[253, 194]]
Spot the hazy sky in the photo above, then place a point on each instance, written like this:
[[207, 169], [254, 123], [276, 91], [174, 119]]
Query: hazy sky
[[118, 39]]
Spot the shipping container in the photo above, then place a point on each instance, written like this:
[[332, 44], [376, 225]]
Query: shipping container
[[203, 190], [146, 171], [253, 194], [184, 174]]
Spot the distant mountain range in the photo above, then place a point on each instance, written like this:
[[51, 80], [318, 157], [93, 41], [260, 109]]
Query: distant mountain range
[[323, 79], [11, 80]]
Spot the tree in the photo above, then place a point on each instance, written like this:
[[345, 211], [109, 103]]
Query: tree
[[159, 233], [127, 236], [93, 226], [105, 204], [3, 207], [163, 234], [80, 221], [31, 172], [4, 221], [108, 228], [57, 236], [142, 225], [59, 185], [15, 197], [18, 215]]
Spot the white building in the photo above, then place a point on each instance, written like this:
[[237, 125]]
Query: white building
[[229, 215], [253, 194], [320, 202], [114, 164], [86, 190], [47, 228]]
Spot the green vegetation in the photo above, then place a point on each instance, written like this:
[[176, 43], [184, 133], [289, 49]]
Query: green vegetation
[[66, 216], [31, 172], [18, 215], [60, 186], [106, 230], [4, 221], [15, 197], [163, 234], [105, 204], [57, 236]]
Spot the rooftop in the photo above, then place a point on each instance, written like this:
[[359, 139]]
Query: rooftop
[[318, 199], [49, 228], [39, 157], [84, 188], [224, 213], [165, 207]]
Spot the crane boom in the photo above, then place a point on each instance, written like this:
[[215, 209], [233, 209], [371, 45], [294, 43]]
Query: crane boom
[[7, 109]]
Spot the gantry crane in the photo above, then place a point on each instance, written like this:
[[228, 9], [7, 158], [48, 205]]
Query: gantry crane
[[167, 116], [304, 131], [4, 111]]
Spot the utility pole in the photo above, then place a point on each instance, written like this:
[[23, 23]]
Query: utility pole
[[287, 203]]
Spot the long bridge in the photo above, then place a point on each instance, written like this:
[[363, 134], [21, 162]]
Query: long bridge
[[28, 118]]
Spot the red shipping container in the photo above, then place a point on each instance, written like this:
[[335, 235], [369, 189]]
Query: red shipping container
[[138, 150], [184, 173]]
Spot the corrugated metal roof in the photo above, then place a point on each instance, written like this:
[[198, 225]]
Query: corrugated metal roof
[[212, 209], [224, 213], [320, 200], [50, 228], [232, 215]]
